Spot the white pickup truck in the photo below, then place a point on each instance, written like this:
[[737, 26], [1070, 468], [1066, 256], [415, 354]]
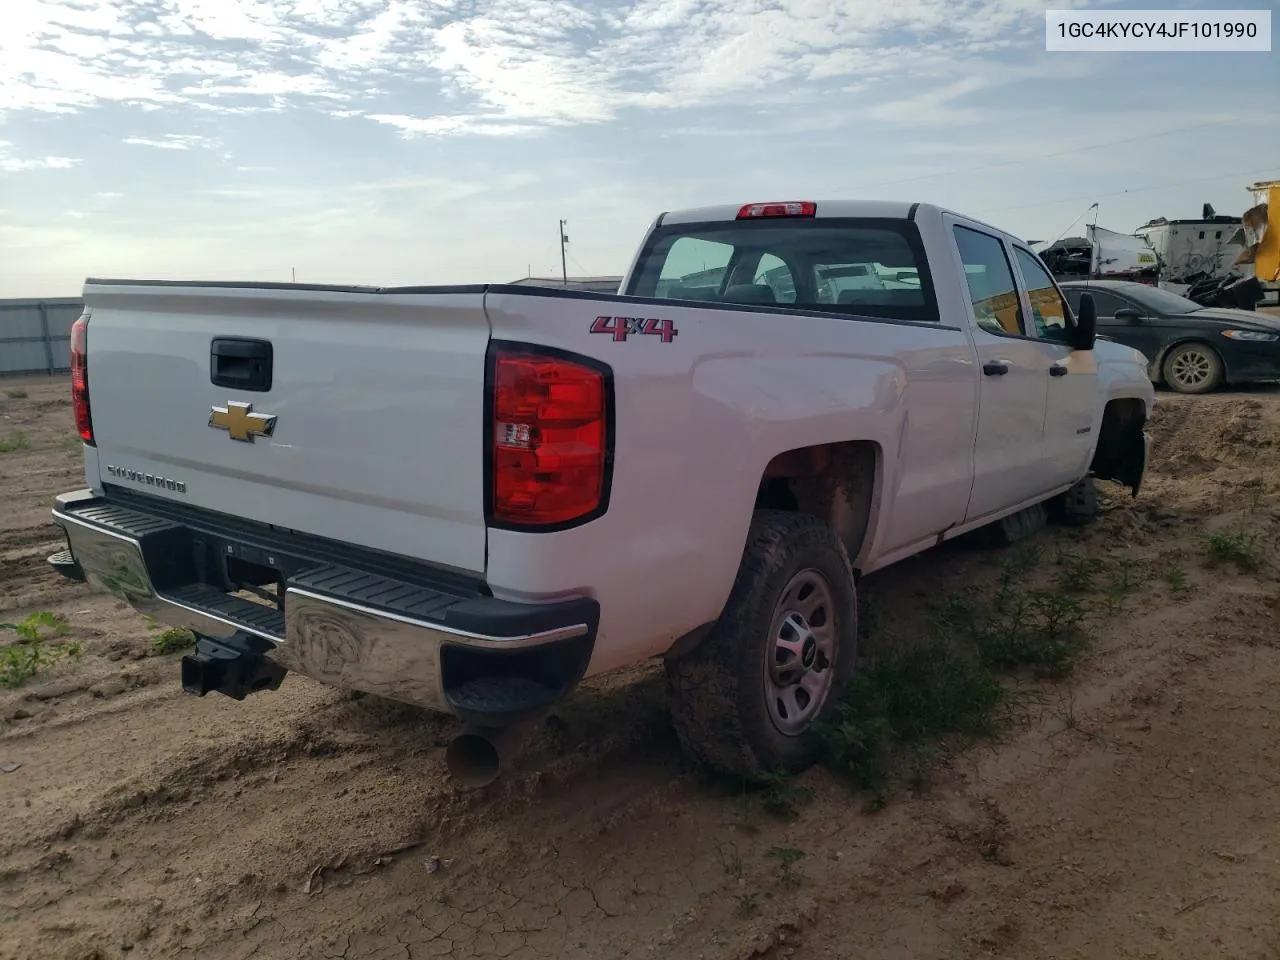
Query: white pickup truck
[[469, 498]]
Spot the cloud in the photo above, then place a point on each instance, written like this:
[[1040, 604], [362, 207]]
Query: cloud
[[935, 107], [12, 164], [504, 67], [446, 125], [173, 141]]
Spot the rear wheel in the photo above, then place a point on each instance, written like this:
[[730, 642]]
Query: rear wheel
[[1193, 368], [746, 700]]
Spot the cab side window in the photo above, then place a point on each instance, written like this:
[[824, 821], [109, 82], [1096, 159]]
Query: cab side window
[[774, 273], [694, 269], [992, 289], [1048, 309]]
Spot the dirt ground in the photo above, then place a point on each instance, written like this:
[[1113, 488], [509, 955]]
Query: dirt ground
[[1132, 811]]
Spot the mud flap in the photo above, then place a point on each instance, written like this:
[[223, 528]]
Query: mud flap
[[1128, 465]]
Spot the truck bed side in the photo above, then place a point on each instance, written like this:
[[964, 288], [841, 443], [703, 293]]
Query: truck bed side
[[698, 420]]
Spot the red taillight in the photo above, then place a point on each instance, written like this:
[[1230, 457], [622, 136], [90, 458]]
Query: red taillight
[[80, 377], [550, 439], [790, 208]]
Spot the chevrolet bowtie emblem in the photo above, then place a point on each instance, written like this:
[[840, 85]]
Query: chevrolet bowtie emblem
[[239, 420]]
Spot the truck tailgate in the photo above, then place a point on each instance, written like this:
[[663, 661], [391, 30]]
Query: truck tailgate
[[377, 400]]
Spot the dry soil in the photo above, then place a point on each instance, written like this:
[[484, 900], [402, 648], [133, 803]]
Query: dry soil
[[1133, 810]]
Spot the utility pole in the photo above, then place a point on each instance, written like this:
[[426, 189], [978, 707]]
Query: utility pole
[[294, 273], [1095, 262], [564, 271]]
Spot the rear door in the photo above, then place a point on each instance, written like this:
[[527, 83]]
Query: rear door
[[1013, 377], [364, 424]]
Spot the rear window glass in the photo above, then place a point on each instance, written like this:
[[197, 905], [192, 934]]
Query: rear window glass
[[873, 268]]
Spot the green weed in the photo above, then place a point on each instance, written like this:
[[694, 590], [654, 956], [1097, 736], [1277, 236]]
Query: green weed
[[172, 640], [32, 652], [37, 625], [1245, 550], [16, 394], [1124, 577], [1078, 574], [731, 860], [901, 708], [905, 697], [787, 857], [1039, 630], [782, 796], [14, 442], [870, 618]]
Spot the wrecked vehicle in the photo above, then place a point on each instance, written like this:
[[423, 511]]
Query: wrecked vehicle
[[470, 497], [1100, 254], [1221, 261]]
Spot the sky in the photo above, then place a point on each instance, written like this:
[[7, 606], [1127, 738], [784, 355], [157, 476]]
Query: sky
[[441, 141]]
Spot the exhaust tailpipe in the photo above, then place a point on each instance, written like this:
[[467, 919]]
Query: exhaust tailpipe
[[476, 754]]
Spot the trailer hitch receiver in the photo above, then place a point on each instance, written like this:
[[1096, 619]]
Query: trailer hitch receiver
[[234, 666]]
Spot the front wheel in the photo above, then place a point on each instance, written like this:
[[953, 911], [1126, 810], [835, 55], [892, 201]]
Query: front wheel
[[1077, 506], [1193, 368], [746, 700]]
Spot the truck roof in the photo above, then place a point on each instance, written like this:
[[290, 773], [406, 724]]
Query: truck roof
[[886, 209], [890, 209]]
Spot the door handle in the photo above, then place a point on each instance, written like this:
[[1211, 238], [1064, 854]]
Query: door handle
[[240, 363], [995, 368], [1058, 370]]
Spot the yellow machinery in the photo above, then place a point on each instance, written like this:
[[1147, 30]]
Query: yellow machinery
[[1262, 231]]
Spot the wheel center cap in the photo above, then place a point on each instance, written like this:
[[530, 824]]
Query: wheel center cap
[[809, 653]]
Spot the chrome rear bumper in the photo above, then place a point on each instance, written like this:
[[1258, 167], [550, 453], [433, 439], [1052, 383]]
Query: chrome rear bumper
[[348, 627]]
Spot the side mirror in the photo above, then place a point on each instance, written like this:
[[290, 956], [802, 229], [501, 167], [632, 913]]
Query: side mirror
[[1129, 314], [1083, 335]]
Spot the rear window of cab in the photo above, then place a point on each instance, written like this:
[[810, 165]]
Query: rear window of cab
[[859, 267]]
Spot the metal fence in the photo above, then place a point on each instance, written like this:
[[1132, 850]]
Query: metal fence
[[35, 335]]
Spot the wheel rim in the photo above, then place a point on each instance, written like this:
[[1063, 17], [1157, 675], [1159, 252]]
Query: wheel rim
[[1191, 369], [801, 659]]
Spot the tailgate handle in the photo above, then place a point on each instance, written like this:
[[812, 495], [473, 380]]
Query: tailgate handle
[[240, 363]]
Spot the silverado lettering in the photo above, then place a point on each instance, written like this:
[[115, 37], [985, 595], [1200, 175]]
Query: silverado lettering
[[149, 479]]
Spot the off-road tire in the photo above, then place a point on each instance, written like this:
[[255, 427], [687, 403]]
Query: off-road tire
[[1209, 361], [718, 692], [1076, 507]]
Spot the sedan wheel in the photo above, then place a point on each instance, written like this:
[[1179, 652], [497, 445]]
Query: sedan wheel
[[1193, 368]]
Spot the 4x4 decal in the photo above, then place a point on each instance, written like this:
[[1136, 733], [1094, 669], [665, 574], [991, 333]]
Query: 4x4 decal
[[622, 327]]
